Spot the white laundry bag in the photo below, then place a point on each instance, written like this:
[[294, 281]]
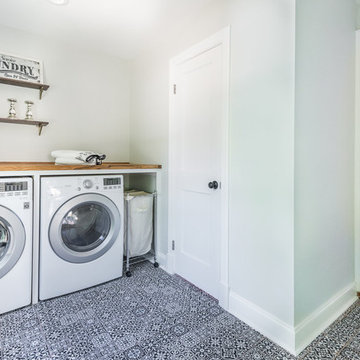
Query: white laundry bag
[[138, 222]]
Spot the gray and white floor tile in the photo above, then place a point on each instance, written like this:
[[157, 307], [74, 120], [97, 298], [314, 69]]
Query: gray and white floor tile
[[153, 315]]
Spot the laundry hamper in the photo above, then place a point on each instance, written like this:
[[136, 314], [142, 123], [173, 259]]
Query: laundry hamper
[[139, 226]]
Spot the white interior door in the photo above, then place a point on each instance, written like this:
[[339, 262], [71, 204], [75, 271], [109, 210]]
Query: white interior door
[[196, 164]]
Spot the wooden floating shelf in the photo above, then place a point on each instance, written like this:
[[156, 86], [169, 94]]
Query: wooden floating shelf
[[39, 124], [28, 84]]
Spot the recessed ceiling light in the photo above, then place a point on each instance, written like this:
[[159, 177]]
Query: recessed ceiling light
[[59, 2]]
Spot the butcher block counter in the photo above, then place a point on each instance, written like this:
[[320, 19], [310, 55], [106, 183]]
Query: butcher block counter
[[50, 166]]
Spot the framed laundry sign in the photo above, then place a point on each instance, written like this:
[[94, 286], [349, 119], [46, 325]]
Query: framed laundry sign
[[18, 68]]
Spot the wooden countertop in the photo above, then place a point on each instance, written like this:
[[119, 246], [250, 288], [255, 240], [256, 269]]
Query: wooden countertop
[[46, 166]]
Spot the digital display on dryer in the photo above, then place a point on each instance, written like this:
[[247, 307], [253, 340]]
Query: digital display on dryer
[[112, 181], [13, 186]]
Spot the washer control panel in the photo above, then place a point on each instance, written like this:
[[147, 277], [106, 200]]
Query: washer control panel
[[13, 188], [88, 184]]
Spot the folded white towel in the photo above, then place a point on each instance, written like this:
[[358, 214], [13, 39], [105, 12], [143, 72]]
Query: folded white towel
[[72, 161], [86, 156], [66, 153]]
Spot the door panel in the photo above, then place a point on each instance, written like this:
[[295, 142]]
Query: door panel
[[189, 229], [196, 160]]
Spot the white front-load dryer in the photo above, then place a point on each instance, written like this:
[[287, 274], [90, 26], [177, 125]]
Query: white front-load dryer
[[16, 212], [81, 232]]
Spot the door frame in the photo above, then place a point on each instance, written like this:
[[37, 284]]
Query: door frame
[[220, 38], [357, 166]]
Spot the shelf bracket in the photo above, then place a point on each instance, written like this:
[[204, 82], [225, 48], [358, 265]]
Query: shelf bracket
[[40, 126], [41, 91]]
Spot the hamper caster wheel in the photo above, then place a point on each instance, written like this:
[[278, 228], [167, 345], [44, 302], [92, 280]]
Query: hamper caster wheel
[[128, 274], [156, 264]]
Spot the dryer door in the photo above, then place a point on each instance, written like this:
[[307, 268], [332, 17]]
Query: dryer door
[[12, 240], [84, 228]]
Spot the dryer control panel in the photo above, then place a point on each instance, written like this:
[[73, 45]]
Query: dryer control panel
[[107, 183], [59, 186], [99, 183]]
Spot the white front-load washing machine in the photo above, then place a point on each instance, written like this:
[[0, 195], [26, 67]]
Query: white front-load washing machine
[[15, 243], [81, 232]]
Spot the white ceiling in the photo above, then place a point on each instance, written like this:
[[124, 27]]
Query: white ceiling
[[118, 27]]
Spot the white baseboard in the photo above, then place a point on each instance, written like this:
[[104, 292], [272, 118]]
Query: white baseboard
[[166, 261], [161, 258], [292, 339], [322, 317], [262, 321]]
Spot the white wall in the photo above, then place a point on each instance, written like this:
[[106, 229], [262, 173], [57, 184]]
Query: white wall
[[88, 107], [261, 155], [87, 103], [324, 148], [291, 170], [149, 126], [149, 98]]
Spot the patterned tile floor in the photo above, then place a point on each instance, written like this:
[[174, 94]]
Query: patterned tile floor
[[153, 315]]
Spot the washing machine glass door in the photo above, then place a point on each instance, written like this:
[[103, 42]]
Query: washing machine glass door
[[84, 228], [4, 240], [12, 240]]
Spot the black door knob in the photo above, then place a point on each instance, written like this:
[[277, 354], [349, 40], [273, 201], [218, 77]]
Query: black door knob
[[213, 185]]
